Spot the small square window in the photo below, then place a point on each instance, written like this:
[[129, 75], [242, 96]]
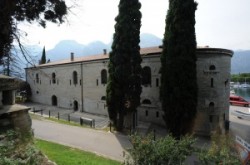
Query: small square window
[[157, 114]]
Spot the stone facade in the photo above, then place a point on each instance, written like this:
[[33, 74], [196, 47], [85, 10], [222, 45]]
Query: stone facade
[[80, 84], [213, 76], [12, 116]]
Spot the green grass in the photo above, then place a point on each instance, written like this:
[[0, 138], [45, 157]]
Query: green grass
[[64, 155]]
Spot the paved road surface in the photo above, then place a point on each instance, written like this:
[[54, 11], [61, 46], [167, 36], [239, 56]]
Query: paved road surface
[[240, 122], [113, 145], [102, 143]]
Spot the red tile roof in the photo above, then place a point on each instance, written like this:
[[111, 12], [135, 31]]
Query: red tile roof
[[143, 51]]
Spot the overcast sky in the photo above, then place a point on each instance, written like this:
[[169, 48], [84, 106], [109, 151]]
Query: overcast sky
[[219, 23]]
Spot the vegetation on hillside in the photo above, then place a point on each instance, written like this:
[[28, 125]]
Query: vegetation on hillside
[[221, 151], [178, 72], [19, 149], [242, 77], [167, 150], [124, 84]]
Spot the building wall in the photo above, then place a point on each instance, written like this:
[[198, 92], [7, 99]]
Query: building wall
[[212, 109], [63, 89], [151, 112], [93, 89], [213, 77]]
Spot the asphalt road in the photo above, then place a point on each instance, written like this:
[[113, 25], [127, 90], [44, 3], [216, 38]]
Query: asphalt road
[[113, 145], [240, 122], [102, 143]]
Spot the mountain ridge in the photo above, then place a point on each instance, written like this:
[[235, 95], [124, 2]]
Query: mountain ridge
[[63, 49]]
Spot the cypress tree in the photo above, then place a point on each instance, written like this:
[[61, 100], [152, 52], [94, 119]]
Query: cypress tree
[[179, 83], [124, 87], [43, 58]]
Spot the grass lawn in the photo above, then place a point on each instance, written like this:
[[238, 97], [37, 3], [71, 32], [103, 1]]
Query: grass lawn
[[64, 155]]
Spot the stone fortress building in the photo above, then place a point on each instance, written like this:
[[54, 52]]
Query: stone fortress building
[[80, 84]]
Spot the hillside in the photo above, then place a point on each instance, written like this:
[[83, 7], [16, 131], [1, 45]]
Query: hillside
[[63, 49], [240, 62]]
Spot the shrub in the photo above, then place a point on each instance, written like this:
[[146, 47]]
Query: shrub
[[162, 151]]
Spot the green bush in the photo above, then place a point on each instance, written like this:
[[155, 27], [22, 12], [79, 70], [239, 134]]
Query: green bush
[[18, 149], [222, 151], [163, 151]]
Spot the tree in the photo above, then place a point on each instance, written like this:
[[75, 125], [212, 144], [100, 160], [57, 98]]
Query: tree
[[43, 58], [124, 84], [178, 73], [13, 12], [12, 66]]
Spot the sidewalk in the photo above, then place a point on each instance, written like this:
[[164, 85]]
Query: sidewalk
[[96, 121]]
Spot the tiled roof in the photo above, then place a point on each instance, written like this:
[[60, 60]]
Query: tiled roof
[[143, 51]]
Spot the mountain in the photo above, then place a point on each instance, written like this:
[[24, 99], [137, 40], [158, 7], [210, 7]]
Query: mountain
[[240, 62], [63, 49], [149, 40]]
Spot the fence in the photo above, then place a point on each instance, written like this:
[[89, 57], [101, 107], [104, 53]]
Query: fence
[[66, 117]]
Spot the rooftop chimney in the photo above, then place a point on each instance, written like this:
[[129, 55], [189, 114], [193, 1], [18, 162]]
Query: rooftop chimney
[[104, 51], [72, 56]]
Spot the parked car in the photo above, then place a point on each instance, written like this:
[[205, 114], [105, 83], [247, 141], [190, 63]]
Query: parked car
[[237, 100]]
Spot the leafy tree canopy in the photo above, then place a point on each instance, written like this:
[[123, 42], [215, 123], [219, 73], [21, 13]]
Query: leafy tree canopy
[[13, 12]]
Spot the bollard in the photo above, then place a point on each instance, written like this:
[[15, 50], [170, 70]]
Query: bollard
[[93, 123], [33, 109], [154, 134], [69, 118], [58, 115], [81, 122], [49, 113]]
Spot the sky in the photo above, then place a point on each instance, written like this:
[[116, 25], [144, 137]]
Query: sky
[[219, 23]]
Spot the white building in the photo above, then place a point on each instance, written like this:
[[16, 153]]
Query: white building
[[80, 84]]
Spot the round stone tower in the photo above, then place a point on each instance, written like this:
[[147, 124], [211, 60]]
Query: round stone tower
[[213, 79]]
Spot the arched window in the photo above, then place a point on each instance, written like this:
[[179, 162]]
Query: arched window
[[211, 106], [54, 100], [212, 67], [75, 105], [53, 78], [146, 76], [146, 101], [75, 79], [37, 78], [103, 98], [104, 76]]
